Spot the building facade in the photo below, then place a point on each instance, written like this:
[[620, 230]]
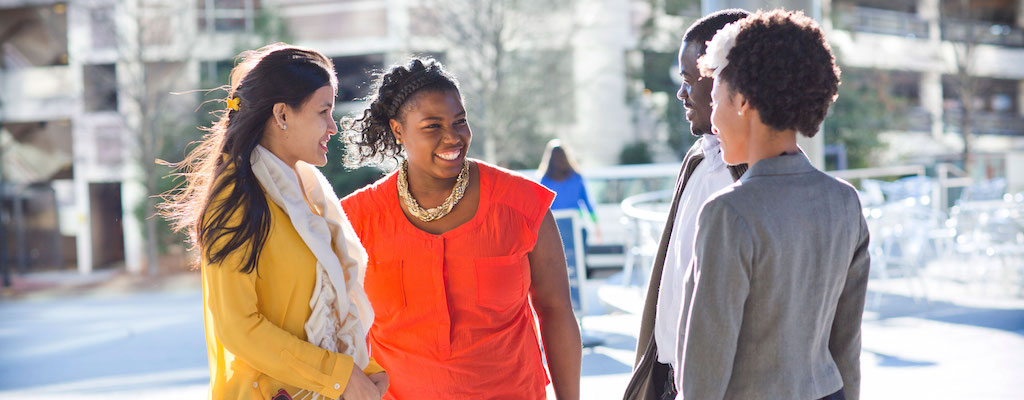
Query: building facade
[[928, 52], [86, 89], [88, 84]]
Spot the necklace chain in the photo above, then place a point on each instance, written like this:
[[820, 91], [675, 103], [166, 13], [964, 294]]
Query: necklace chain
[[437, 212]]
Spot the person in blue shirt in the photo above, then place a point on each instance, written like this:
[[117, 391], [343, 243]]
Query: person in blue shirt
[[558, 172]]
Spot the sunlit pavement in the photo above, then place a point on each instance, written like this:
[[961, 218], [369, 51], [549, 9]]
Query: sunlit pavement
[[104, 346], [149, 345]]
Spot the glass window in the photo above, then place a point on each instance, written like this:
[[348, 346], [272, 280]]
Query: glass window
[[100, 81], [905, 85], [355, 74]]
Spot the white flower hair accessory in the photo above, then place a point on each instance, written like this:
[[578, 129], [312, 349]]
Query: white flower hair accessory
[[716, 58]]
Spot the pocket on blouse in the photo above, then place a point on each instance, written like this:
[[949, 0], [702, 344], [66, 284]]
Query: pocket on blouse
[[500, 281], [385, 288]]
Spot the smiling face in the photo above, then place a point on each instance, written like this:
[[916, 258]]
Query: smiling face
[[730, 123], [309, 127], [432, 127], [695, 91]]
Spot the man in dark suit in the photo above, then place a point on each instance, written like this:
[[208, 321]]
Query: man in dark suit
[[703, 173]]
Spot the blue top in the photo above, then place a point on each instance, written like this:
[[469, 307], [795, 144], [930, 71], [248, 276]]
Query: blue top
[[569, 193]]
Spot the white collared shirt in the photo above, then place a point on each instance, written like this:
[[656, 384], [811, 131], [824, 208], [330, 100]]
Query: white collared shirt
[[710, 176]]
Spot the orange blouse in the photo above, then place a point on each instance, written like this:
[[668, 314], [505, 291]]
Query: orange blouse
[[452, 316]]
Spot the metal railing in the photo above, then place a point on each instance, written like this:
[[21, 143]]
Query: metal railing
[[986, 122], [959, 30], [917, 119], [645, 214], [914, 223], [864, 173], [888, 22], [873, 20]]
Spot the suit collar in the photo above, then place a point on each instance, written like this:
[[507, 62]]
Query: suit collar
[[781, 165]]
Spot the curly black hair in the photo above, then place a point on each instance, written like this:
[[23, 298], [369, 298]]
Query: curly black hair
[[368, 139], [784, 66], [704, 29]]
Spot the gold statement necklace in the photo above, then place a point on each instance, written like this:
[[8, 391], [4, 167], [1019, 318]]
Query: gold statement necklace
[[437, 212]]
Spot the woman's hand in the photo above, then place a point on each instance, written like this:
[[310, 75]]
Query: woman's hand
[[360, 387], [382, 381]]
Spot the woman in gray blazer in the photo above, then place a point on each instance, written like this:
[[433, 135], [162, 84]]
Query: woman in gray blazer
[[775, 293]]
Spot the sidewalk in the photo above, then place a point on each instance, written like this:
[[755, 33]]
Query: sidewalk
[[963, 342], [131, 336]]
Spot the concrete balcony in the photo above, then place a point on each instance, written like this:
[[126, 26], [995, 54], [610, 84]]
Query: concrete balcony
[[38, 94], [910, 25], [910, 53]]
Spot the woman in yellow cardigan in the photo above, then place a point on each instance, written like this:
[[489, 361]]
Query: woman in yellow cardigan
[[286, 315]]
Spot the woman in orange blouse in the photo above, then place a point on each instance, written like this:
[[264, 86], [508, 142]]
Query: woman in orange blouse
[[456, 248]]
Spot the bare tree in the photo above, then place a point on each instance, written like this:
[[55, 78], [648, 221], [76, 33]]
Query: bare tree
[[514, 61], [152, 57], [959, 15]]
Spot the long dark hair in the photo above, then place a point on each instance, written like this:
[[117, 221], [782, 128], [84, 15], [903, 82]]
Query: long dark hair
[[221, 204], [557, 163], [368, 139]]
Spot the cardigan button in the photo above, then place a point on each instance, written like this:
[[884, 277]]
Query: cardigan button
[[254, 384], [337, 386]]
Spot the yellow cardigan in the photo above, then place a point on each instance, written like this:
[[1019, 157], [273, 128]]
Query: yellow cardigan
[[255, 323]]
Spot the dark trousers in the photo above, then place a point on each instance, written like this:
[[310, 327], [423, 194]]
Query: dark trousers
[[665, 380]]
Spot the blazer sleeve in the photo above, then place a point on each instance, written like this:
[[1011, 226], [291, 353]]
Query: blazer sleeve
[[250, 336], [247, 334], [710, 324], [845, 341]]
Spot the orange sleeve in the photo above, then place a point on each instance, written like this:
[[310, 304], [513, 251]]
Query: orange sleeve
[[529, 198]]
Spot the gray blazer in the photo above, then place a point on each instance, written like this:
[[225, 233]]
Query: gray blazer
[[775, 293]]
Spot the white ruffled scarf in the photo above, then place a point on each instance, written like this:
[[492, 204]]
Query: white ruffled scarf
[[336, 323]]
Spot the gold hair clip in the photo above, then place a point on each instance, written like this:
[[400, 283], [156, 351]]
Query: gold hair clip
[[233, 103]]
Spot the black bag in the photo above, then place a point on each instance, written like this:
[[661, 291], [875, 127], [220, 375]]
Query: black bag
[[647, 380]]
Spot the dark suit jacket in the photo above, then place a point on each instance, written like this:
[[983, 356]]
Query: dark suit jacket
[[640, 385]]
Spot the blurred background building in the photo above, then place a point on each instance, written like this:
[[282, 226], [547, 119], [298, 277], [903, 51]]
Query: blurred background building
[[93, 91]]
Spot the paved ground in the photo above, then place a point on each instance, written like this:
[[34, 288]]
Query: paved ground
[[140, 339], [130, 340]]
